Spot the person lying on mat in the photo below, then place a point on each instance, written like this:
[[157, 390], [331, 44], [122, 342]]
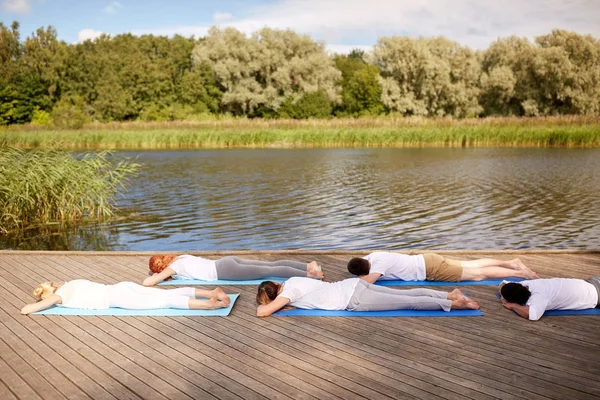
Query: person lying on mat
[[230, 268], [530, 299], [382, 265], [81, 293], [353, 294]]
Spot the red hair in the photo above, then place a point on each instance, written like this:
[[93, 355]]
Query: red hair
[[159, 262]]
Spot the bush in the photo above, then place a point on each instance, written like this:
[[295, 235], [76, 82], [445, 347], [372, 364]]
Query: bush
[[40, 117], [310, 105], [69, 113]]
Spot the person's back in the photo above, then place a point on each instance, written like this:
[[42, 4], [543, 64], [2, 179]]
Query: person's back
[[81, 293], [559, 294], [192, 267], [393, 266], [314, 294]]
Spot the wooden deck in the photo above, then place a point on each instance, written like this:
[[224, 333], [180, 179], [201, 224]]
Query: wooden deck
[[244, 357]]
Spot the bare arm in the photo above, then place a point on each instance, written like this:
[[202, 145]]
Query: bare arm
[[264, 310], [155, 278], [42, 304], [522, 311], [371, 278]]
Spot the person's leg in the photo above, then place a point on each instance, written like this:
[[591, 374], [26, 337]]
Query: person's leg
[[491, 262], [367, 297], [280, 263], [481, 273], [136, 297], [229, 268]]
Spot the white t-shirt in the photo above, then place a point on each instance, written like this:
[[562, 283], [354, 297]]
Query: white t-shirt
[[397, 266], [315, 294], [192, 267], [81, 293], [559, 294]]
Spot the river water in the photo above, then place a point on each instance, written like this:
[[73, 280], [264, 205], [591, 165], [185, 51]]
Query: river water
[[349, 199]]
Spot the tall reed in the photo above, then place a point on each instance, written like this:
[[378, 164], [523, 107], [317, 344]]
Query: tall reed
[[390, 131], [48, 185]]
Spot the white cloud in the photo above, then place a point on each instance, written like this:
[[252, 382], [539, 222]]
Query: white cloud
[[113, 7], [470, 22], [86, 34], [221, 17], [16, 6]]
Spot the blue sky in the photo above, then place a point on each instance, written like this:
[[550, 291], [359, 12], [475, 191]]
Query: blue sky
[[341, 24]]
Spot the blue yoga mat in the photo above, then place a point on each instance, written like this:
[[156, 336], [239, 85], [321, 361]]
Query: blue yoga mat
[[558, 313], [220, 282], [156, 312], [486, 282], [298, 312]]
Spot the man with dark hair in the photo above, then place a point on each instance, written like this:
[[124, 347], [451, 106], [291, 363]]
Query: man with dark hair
[[382, 265], [530, 299]]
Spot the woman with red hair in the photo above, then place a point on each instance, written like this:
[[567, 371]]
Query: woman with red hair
[[228, 268]]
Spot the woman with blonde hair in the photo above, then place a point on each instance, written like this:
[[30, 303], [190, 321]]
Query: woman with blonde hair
[[81, 293], [353, 294], [228, 268]]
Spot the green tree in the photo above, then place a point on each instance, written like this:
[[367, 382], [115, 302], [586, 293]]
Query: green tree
[[267, 69], [361, 93], [428, 76]]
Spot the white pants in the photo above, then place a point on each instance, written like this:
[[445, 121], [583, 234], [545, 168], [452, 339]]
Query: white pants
[[137, 297]]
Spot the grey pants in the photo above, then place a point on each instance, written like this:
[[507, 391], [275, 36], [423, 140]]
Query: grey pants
[[368, 297], [238, 269], [595, 280]]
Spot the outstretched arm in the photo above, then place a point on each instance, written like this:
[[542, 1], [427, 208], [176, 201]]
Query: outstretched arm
[[264, 310], [155, 278], [42, 304], [371, 278], [522, 311]]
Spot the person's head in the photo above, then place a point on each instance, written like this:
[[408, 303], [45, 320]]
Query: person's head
[[44, 290], [267, 292], [161, 261], [359, 266], [514, 292]]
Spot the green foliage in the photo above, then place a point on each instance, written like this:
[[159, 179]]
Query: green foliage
[[40, 117], [260, 73], [310, 105], [69, 113], [361, 93], [157, 78], [428, 76], [40, 186]]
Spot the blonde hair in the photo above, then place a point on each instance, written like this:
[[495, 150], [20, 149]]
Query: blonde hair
[[43, 290]]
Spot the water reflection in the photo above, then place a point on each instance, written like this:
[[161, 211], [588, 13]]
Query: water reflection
[[362, 199], [85, 237]]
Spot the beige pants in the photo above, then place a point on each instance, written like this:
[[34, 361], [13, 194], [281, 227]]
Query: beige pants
[[438, 268]]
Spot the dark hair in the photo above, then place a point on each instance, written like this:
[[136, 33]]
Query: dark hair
[[267, 292], [359, 266], [514, 292]]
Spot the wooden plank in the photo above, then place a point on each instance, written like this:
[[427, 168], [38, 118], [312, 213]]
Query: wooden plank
[[241, 356]]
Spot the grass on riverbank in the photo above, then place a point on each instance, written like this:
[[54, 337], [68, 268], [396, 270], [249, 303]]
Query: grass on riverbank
[[572, 131], [44, 185]]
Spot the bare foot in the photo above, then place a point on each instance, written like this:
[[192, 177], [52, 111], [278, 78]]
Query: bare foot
[[465, 304], [213, 303], [517, 264], [529, 274], [455, 294], [219, 294], [313, 270]]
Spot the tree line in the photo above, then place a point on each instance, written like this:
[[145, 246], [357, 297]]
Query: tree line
[[282, 74]]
